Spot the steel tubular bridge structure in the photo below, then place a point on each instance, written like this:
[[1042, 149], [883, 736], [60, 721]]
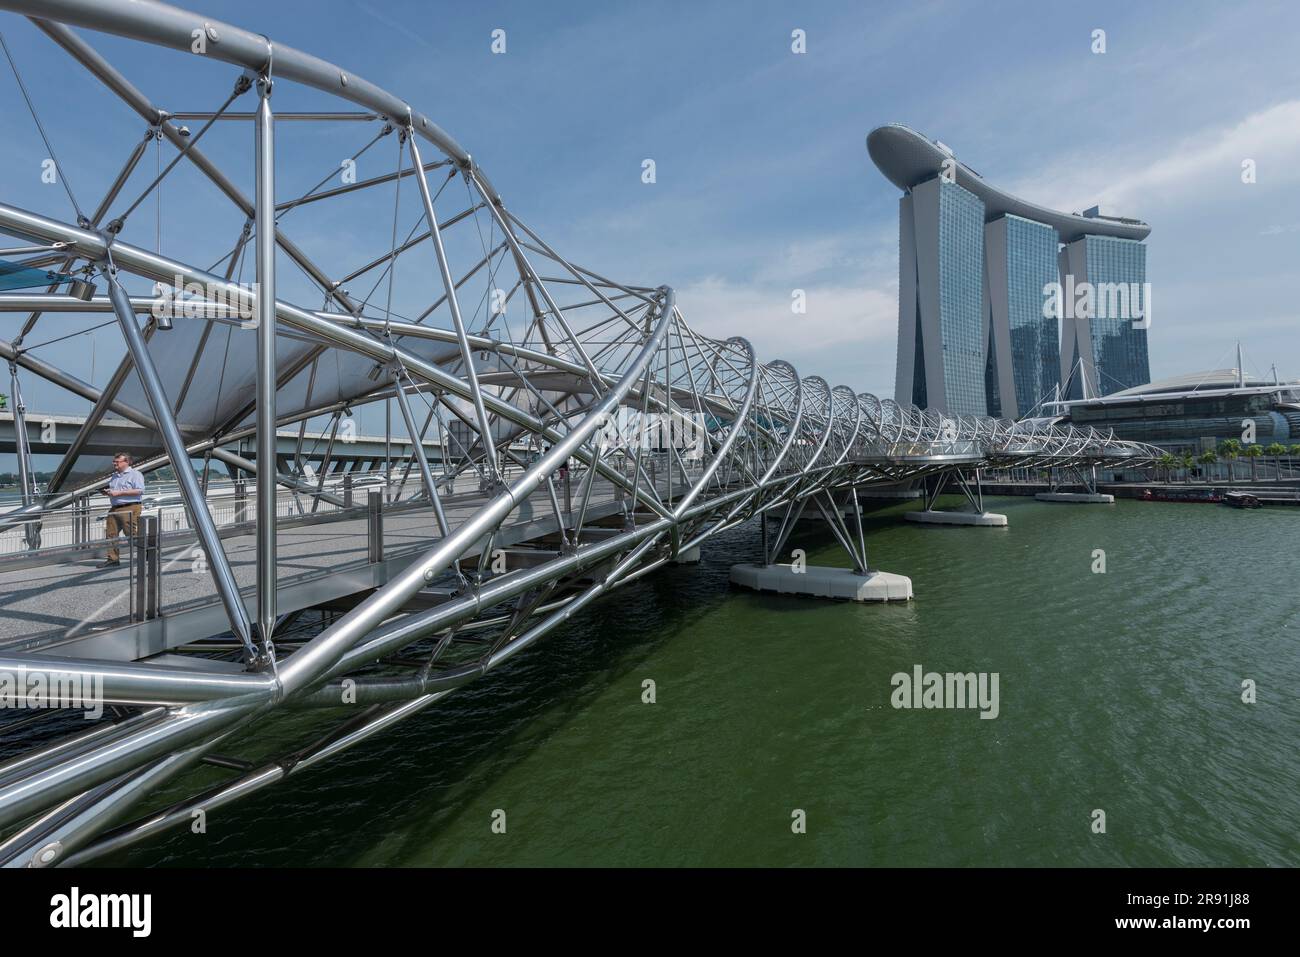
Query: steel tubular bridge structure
[[522, 381]]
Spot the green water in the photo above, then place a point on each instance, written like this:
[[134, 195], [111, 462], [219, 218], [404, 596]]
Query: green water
[[1118, 691]]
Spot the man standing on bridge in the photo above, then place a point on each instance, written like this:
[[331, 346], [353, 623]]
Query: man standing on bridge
[[126, 491]]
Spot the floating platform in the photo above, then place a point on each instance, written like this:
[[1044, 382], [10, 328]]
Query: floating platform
[[820, 582], [1094, 498], [982, 519]]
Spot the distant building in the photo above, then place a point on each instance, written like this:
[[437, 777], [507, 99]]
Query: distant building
[[941, 353], [974, 336], [1194, 413], [1105, 352], [1020, 259]]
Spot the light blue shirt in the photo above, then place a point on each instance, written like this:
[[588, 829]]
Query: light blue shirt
[[131, 479]]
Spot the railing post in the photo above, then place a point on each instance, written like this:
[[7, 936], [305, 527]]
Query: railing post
[[146, 568], [375, 525], [347, 490], [136, 543], [153, 566], [241, 501]]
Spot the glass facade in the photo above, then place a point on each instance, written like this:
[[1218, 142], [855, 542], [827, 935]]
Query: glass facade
[[1117, 270], [1190, 423], [961, 291], [920, 398], [998, 354], [1035, 342]]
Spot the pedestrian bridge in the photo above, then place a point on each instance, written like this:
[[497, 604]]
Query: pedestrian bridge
[[486, 344]]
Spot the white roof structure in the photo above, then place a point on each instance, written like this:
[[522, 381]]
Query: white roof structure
[[907, 158]]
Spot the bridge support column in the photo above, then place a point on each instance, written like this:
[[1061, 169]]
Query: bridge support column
[[813, 581], [971, 487], [1089, 495], [979, 519], [890, 494], [859, 583], [688, 556], [1097, 498]]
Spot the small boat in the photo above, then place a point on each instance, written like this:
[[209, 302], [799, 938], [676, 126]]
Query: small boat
[[1199, 496], [1242, 500]]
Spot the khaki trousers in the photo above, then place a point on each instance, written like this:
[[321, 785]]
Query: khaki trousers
[[121, 519]]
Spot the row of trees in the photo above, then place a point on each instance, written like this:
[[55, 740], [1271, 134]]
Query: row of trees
[[1228, 451]]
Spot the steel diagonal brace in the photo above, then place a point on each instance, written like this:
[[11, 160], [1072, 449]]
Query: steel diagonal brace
[[162, 269], [522, 260], [305, 666], [87, 391], [115, 81], [195, 504], [453, 305], [418, 454]]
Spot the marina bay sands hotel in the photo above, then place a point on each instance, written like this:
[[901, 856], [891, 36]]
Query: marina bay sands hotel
[[974, 336]]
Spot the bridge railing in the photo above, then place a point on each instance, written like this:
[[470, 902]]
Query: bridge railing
[[519, 392], [81, 524]]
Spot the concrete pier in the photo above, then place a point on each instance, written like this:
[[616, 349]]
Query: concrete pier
[[1098, 498], [982, 519], [688, 556], [819, 582], [889, 494], [815, 515]]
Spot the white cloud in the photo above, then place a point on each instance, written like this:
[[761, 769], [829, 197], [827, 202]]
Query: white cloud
[[845, 329], [1206, 164], [393, 24], [832, 256]]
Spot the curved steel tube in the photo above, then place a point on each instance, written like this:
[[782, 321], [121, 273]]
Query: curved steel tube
[[771, 439]]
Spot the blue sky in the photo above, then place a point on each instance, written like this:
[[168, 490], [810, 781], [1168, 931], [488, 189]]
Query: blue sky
[[763, 181]]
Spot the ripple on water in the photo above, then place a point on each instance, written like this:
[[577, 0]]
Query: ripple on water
[[1118, 691]]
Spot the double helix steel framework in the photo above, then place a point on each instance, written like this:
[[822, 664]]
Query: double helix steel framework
[[524, 366]]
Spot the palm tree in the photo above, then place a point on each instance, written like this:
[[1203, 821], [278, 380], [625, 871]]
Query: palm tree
[[1253, 451], [1277, 450], [1229, 450], [1166, 462], [1186, 461], [1208, 458]]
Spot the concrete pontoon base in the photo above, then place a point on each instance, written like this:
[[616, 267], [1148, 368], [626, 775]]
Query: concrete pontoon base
[[1098, 498], [983, 519], [819, 582]]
